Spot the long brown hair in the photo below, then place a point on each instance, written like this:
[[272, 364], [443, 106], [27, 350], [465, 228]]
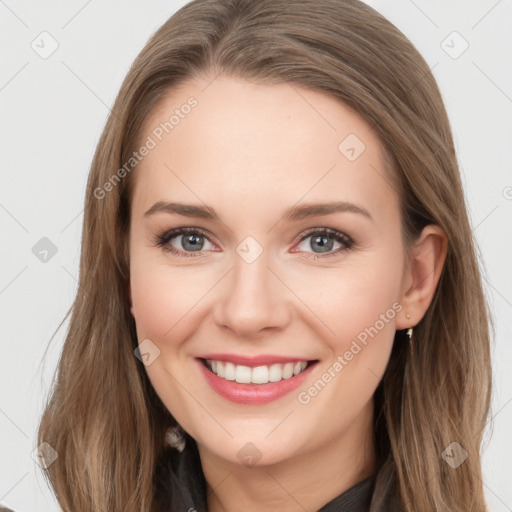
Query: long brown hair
[[103, 417]]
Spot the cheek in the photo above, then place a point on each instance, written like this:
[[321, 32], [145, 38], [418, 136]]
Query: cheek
[[361, 310], [163, 301], [164, 312], [354, 296]]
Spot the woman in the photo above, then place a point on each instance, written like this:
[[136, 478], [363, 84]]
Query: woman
[[279, 306]]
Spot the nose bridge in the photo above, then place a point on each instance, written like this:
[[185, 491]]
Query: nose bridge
[[254, 298]]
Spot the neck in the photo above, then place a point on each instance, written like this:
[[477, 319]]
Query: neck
[[306, 481]]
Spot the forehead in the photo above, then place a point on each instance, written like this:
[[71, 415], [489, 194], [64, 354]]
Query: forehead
[[232, 143]]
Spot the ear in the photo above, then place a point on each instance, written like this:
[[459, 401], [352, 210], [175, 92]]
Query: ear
[[421, 275]]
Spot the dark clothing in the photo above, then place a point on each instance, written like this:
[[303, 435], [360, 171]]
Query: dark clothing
[[182, 487]]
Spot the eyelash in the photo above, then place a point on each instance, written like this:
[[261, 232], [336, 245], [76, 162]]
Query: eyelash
[[164, 238]]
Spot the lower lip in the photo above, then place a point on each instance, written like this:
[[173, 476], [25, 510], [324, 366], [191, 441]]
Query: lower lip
[[254, 394]]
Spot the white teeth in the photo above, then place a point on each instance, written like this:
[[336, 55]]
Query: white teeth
[[275, 373], [229, 371], [258, 374], [288, 370], [242, 374], [220, 369]]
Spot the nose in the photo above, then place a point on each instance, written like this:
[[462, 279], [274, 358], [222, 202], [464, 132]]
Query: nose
[[253, 299]]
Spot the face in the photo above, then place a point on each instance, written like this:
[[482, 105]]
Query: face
[[254, 287]]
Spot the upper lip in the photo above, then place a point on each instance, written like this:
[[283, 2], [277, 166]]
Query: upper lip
[[261, 360]]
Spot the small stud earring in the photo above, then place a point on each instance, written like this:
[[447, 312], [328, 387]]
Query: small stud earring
[[407, 315], [175, 437]]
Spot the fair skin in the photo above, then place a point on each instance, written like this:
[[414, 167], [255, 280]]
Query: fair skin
[[250, 152]]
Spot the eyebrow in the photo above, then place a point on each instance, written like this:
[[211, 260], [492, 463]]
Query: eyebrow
[[293, 213]]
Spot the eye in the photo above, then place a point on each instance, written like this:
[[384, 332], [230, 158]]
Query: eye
[[191, 240], [324, 239]]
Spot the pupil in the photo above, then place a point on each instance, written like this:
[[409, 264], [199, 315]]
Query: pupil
[[193, 240], [322, 241]]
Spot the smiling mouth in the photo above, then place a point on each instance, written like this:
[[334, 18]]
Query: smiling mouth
[[258, 374]]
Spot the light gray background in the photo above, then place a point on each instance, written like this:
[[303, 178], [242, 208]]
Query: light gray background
[[53, 111]]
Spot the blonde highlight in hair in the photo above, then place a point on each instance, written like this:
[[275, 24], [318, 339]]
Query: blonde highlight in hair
[[104, 418]]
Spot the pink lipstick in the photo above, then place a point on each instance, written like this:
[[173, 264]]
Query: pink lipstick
[[249, 393]]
